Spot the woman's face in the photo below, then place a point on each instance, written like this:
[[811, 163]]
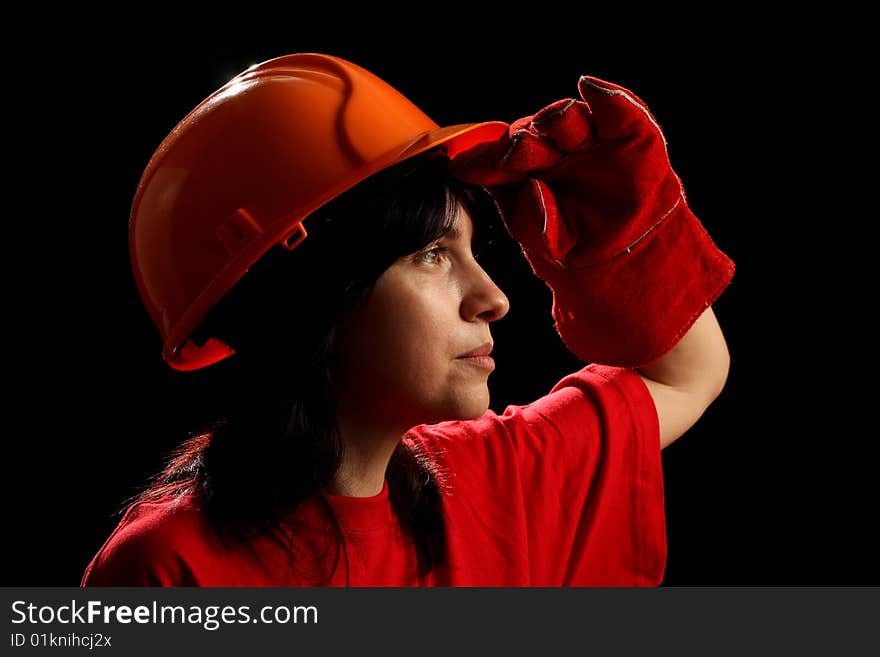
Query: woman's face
[[402, 349]]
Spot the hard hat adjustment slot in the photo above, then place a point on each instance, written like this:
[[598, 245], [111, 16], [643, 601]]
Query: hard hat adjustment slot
[[295, 238], [239, 228]]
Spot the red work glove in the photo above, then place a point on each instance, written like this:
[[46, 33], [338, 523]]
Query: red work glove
[[586, 188]]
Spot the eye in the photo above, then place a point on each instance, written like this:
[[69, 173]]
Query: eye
[[433, 255]]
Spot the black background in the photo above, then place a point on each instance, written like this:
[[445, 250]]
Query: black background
[[771, 487]]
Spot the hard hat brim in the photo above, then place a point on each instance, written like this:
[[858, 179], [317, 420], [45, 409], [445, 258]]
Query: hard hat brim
[[455, 138]]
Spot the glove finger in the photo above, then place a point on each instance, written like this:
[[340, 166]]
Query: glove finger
[[534, 209], [533, 143], [566, 124], [538, 225], [616, 111], [482, 164], [529, 151]]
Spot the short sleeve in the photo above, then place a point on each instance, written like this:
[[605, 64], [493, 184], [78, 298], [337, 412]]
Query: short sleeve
[[141, 551], [572, 482]]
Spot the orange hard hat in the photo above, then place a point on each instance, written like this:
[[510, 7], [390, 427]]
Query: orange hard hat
[[240, 173]]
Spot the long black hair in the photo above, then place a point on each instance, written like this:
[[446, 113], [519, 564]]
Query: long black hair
[[275, 440]]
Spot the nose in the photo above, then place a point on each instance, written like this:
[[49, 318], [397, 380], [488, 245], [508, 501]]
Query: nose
[[483, 299]]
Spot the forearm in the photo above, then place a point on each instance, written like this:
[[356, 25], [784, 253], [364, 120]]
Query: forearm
[[699, 362], [685, 381]]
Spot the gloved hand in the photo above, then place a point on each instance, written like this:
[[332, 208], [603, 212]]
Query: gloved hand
[[586, 188]]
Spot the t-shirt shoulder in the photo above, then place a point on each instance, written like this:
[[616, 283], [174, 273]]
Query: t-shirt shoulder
[[606, 399], [147, 547]]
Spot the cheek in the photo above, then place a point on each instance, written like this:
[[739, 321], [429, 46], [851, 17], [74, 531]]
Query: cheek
[[409, 342], [386, 335]]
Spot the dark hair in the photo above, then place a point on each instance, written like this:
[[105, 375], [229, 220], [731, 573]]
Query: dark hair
[[275, 443]]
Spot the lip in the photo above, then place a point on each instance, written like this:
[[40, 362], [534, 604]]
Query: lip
[[485, 362], [483, 350], [480, 357]]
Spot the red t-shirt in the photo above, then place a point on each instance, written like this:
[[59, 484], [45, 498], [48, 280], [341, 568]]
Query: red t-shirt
[[567, 490]]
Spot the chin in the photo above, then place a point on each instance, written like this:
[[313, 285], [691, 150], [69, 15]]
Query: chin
[[460, 407], [474, 407]]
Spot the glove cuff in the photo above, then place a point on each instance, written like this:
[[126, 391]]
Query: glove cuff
[[632, 309]]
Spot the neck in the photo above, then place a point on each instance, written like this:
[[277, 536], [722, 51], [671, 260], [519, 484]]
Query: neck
[[366, 453]]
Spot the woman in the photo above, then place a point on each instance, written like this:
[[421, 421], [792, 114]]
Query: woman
[[310, 234]]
